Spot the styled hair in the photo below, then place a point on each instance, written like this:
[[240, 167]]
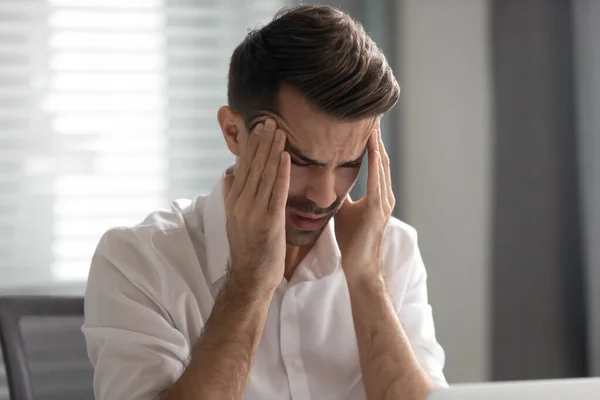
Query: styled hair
[[322, 53]]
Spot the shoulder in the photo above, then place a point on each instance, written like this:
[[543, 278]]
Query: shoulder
[[169, 225], [402, 260], [184, 214], [148, 253], [400, 236]]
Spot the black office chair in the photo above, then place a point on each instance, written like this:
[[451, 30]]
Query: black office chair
[[44, 349]]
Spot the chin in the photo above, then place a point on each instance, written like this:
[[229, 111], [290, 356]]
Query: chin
[[295, 237]]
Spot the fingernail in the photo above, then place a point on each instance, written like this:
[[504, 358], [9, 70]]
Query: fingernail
[[270, 125], [259, 128]]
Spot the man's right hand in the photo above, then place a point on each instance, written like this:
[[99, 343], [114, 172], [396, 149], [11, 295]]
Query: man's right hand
[[255, 200]]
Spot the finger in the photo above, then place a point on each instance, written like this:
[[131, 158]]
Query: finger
[[385, 159], [281, 187], [243, 168], [372, 144], [383, 182], [383, 189], [373, 168], [265, 188], [257, 165], [373, 191], [388, 173]]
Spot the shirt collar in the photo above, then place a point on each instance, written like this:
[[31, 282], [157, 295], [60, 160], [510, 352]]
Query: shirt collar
[[215, 235], [326, 255], [326, 250]]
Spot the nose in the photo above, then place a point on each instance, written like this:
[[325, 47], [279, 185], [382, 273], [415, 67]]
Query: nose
[[321, 189]]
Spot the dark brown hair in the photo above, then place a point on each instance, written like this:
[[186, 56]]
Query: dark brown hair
[[322, 53]]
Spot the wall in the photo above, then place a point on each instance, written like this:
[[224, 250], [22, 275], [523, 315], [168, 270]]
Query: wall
[[587, 59], [538, 327], [445, 159]]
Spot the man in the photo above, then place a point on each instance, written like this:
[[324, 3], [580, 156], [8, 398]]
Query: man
[[276, 285]]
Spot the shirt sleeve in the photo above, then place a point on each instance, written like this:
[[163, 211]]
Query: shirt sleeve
[[413, 306], [132, 343]]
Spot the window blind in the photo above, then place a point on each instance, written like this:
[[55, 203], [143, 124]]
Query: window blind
[[107, 112]]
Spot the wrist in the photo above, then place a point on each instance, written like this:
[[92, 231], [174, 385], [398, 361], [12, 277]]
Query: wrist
[[361, 276], [366, 291], [361, 270], [251, 283]]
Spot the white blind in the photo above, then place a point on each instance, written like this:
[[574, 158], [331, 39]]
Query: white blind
[[107, 112]]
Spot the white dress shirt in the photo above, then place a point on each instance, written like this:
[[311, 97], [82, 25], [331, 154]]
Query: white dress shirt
[[151, 289]]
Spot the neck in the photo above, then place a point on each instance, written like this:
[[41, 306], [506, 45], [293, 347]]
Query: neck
[[294, 256]]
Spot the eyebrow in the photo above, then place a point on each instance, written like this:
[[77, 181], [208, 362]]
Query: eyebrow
[[293, 150]]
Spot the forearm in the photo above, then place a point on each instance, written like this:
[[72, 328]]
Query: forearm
[[222, 358], [389, 367]]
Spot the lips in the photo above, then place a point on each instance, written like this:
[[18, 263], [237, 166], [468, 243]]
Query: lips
[[306, 222]]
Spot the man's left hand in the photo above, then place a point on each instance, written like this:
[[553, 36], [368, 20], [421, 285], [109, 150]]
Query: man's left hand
[[360, 225]]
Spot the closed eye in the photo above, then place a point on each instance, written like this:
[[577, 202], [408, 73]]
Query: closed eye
[[350, 165], [354, 164], [299, 163]]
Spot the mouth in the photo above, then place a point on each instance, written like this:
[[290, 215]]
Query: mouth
[[307, 222]]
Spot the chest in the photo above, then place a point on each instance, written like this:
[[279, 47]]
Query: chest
[[308, 349]]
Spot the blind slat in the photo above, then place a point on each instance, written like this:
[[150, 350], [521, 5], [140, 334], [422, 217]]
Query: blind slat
[[107, 112]]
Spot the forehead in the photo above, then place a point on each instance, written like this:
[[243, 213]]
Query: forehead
[[319, 135]]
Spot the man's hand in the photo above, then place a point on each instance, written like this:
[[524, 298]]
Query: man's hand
[[389, 366], [360, 225], [255, 202]]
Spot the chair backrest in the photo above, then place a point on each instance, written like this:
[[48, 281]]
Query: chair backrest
[[44, 349]]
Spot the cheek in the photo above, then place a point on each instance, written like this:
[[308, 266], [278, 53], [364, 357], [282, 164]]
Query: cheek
[[298, 179], [242, 146], [345, 179]]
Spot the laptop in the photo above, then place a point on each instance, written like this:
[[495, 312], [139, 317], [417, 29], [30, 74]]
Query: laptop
[[569, 389]]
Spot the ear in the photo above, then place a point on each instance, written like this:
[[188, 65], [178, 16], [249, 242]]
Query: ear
[[232, 127]]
